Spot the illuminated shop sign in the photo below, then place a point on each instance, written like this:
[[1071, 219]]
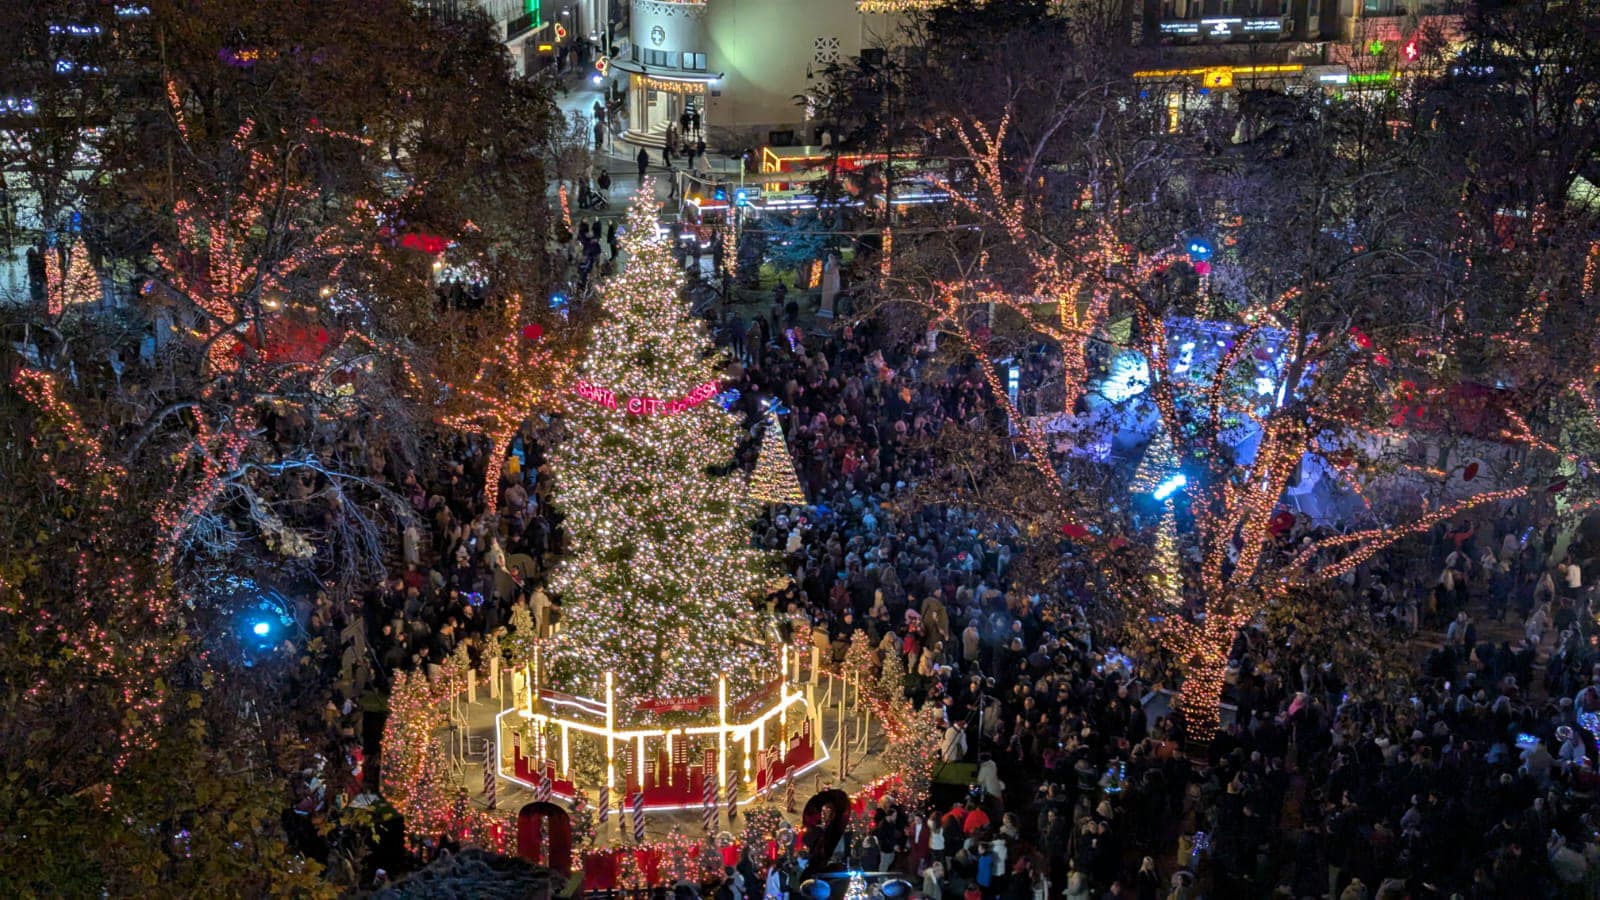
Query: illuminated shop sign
[[1221, 28]]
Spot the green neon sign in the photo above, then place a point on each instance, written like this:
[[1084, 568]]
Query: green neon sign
[[532, 9]]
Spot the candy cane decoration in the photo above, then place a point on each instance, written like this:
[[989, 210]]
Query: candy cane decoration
[[708, 799], [542, 792], [788, 791], [638, 817], [733, 794], [605, 803], [490, 782]]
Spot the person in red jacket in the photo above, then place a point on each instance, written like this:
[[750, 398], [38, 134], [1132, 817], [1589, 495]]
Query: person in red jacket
[[974, 819], [918, 842]]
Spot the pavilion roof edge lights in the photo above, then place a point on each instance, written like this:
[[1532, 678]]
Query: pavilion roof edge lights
[[902, 6]]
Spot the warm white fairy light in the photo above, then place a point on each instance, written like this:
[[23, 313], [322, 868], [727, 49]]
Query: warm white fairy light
[[659, 583], [774, 480], [1166, 575]]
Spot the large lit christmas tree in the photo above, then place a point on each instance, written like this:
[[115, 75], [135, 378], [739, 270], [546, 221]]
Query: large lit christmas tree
[[658, 584]]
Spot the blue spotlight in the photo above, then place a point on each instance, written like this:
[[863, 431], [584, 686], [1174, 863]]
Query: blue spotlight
[[1169, 487]]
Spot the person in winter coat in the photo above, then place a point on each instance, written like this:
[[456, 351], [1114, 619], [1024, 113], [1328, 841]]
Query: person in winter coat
[[954, 745], [933, 881], [989, 778], [971, 643], [919, 845], [871, 857], [986, 867], [1148, 880], [1077, 883]]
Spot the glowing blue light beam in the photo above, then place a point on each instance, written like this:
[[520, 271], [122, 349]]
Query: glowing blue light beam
[[1169, 487]]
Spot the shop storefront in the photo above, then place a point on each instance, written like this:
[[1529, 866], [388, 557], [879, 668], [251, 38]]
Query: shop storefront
[[656, 101], [667, 68]]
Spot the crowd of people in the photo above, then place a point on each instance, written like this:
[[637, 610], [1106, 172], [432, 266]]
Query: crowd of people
[[1075, 776], [1481, 784]]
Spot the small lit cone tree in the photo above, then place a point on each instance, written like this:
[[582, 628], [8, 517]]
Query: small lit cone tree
[[79, 285], [658, 586], [416, 774], [1157, 463], [774, 480], [1166, 574]]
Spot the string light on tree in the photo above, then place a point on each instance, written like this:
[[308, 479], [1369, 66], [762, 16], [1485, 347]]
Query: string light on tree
[[78, 286], [1232, 502], [658, 587], [903, 6], [519, 376], [858, 887], [1156, 465], [417, 776], [774, 479], [1166, 576]]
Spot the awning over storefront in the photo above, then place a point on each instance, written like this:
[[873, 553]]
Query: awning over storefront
[[659, 78]]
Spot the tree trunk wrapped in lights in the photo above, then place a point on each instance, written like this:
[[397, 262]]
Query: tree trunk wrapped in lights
[[1278, 378], [658, 587], [519, 375]]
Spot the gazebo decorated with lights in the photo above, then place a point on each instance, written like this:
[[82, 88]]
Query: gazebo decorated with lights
[[705, 753], [659, 690]]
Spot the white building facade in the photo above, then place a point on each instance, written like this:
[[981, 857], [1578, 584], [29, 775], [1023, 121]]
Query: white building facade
[[739, 64]]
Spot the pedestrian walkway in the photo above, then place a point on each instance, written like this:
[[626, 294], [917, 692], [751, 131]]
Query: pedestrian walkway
[[619, 157]]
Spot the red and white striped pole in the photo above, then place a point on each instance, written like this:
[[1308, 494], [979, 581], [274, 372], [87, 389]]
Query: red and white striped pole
[[638, 817], [708, 799], [491, 761], [733, 794]]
